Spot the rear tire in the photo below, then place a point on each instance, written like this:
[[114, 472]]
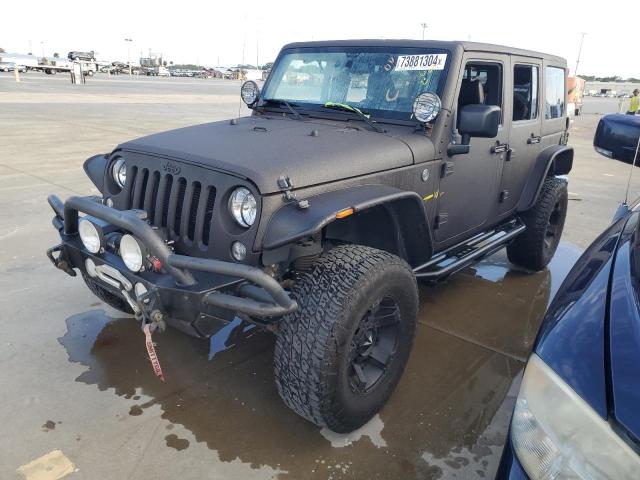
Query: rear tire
[[106, 296], [339, 357], [535, 248]]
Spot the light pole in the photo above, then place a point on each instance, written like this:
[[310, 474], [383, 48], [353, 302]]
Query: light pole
[[579, 53], [424, 28], [42, 48], [129, 40]]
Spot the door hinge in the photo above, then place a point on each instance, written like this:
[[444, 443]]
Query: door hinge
[[510, 154], [446, 169], [504, 194], [441, 219]]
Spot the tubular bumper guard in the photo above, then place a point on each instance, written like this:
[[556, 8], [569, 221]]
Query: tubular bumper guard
[[277, 303]]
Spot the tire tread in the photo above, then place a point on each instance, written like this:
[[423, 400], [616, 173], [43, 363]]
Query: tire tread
[[527, 250], [307, 338]]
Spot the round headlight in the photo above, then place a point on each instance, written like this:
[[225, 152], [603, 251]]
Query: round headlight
[[119, 172], [131, 253], [90, 236], [243, 207], [250, 92]]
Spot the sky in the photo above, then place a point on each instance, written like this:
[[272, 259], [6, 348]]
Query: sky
[[227, 33]]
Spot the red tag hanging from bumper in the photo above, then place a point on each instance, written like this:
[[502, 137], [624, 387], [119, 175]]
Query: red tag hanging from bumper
[[153, 357]]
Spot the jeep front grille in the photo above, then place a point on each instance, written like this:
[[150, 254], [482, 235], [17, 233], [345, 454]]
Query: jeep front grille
[[182, 206]]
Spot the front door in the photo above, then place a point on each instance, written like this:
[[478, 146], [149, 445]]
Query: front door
[[470, 182], [524, 139]]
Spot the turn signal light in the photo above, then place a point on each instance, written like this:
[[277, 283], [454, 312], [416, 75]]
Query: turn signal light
[[344, 213]]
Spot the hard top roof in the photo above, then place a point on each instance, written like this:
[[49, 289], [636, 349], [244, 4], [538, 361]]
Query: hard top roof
[[446, 45]]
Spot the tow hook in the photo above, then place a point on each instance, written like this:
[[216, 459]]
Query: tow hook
[[149, 310], [152, 319], [60, 261]]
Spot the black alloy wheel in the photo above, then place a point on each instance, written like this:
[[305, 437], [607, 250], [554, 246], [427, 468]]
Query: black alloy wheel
[[373, 346]]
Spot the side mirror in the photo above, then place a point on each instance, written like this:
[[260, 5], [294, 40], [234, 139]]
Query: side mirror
[[617, 137], [481, 121]]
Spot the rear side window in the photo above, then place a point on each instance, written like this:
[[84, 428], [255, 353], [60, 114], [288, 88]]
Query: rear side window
[[555, 93], [525, 92]]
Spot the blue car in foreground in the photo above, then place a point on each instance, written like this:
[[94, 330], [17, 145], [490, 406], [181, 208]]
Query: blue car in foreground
[[577, 415]]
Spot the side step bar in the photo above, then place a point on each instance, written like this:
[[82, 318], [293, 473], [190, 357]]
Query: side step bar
[[464, 254]]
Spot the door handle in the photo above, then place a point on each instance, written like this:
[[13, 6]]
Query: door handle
[[534, 139], [499, 148]]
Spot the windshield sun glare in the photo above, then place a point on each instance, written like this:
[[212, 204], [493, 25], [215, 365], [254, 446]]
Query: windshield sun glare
[[383, 84]]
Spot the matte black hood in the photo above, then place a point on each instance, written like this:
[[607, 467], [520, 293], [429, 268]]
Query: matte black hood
[[263, 149]]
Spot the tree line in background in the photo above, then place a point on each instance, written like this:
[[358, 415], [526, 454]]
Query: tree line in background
[[192, 66], [613, 79], [268, 65], [189, 66]]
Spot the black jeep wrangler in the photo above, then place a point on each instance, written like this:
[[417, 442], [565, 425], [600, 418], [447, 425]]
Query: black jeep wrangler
[[365, 166]]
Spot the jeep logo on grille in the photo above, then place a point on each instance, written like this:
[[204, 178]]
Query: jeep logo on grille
[[171, 168]]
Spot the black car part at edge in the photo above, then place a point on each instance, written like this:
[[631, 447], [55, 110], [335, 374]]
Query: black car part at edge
[[178, 266]]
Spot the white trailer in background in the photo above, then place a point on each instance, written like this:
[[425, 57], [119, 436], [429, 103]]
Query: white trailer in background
[[51, 65], [23, 62]]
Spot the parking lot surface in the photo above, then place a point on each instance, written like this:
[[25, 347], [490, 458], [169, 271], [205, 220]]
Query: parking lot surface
[[79, 397]]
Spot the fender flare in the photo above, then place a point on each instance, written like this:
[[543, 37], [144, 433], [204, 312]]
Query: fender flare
[[96, 168], [291, 223], [553, 160]]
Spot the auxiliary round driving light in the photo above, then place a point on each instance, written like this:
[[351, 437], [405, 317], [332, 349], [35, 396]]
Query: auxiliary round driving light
[[90, 235], [238, 251], [131, 253], [250, 92], [426, 107]]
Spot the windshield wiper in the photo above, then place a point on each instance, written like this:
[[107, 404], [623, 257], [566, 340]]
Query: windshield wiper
[[286, 104], [348, 108]]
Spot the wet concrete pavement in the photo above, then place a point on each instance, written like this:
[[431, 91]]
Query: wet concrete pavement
[[447, 419], [75, 378]]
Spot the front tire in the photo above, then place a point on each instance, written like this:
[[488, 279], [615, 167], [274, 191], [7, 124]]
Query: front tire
[[339, 357], [535, 247]]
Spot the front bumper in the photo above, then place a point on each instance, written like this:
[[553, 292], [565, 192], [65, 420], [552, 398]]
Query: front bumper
[[187, 288]]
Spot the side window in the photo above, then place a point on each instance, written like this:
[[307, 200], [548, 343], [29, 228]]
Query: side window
[[555, 92], [481, 84], [489, 77], [525, 92]]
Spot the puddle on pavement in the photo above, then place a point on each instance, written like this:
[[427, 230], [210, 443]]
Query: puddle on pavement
[[449, 413]]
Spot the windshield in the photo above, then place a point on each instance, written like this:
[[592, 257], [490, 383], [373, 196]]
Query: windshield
[[381, 81]]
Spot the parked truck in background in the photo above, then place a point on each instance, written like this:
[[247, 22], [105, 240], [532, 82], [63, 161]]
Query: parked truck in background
[[87, 61]]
